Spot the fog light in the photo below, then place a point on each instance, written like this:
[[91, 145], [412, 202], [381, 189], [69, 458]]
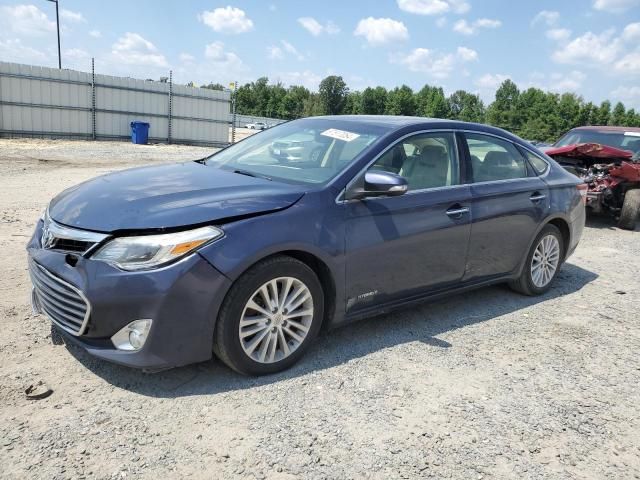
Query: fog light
[[133, 336]]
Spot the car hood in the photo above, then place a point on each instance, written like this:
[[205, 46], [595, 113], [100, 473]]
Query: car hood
[[168, 196], [588, 150]]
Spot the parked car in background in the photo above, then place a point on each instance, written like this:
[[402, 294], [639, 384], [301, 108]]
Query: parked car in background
[[247, 256], [307, 147], [256, 126], [608, 160]]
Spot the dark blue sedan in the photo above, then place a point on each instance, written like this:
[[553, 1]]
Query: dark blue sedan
[[249, 256]]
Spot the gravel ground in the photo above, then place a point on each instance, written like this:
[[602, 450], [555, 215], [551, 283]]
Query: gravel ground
[[489, 384]]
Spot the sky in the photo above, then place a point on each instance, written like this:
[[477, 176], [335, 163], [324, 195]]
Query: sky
[[590, 47]]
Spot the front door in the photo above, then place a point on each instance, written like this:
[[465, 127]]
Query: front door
[[407, 245]]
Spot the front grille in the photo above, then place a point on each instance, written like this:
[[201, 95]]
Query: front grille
[[63, 303], [69, 245]]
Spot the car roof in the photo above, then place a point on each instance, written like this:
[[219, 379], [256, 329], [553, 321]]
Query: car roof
[[608, 128], [395, 122]]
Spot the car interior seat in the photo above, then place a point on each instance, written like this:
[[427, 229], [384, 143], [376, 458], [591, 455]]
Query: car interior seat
[[429, 169]]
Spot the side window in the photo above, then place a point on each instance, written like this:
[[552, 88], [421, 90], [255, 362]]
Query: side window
[[426, 160], [538, 164], [494, 159]]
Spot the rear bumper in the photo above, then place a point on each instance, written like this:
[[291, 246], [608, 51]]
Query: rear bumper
[[182, 299]]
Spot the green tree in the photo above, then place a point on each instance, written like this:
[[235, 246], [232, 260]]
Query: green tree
[[432, 103], [603, 113], [353, 105], [401, 101], [210, 86], [373, 101], [466, 106], [618, 116], [293, 102], [332, 95], [503, 112]]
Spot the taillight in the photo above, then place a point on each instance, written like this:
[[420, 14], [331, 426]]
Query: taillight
[[582, 190]]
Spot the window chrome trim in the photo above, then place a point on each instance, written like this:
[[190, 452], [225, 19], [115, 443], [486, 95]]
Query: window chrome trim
[[340, 198]]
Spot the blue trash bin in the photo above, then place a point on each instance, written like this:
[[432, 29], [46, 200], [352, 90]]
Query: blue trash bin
[[139, 133]]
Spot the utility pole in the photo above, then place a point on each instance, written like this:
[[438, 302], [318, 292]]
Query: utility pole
[[58, 27], [234, 88]]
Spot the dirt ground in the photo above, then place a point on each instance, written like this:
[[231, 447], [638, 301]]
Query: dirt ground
[[489, 384]]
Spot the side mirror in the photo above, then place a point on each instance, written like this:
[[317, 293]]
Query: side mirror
[[380, 184]]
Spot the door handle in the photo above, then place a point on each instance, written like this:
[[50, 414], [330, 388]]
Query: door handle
[[457, 211], [537, 196]]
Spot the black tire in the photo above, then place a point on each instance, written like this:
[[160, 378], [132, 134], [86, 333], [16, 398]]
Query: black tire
[[630, 210], [524, 284], [226, 343]]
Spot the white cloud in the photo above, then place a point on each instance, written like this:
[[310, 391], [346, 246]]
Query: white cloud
[[558, 34], [628, 64], [95, 33], [566, 82], [75, 17], [548, 17], [133, 49], [315, 28], [379, 31], [279, 52], [615, 6], [589, 48], [13, 50], [434, 7], [227, 20], [467, 54], [305, 78], [216, 54], [433, 63], [274, 53], [186, 58], [467, 28], [26, 20], [630, 95], [631, 33], [491, 81], [441, 22]]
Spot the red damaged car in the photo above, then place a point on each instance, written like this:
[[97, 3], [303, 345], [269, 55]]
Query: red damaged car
[[608, 160]]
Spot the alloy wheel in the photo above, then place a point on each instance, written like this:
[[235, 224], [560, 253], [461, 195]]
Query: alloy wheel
[[544, 263], [276, 320]]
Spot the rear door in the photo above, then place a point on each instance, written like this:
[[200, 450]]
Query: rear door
[[509, 201], [416, 242]]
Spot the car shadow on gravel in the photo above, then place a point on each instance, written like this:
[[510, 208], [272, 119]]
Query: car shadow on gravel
[[421, 323]]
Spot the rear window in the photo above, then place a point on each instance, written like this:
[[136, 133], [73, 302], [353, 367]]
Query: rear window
[[538, 164]]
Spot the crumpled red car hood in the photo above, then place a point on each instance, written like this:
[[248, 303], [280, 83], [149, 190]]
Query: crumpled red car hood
[[591, 150]]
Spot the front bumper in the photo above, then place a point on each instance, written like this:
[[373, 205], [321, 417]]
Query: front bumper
[[182, 299]]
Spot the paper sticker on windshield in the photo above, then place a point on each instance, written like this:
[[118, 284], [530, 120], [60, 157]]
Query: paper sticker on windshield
[[632, 134], [340, 134]]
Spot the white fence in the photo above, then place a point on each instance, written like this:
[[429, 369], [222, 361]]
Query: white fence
[[47, 102]]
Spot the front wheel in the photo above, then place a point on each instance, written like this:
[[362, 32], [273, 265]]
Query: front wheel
[[630, 210], [270, 317], [542, 264]]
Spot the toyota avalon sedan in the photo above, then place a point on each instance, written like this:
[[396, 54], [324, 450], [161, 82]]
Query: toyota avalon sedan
[[249, 256]]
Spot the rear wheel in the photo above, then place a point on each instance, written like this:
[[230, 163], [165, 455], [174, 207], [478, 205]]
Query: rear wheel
[[630, 210], [270, 317], [542, 264]]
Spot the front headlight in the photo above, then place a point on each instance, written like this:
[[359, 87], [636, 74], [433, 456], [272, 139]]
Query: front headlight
[[149, 251]]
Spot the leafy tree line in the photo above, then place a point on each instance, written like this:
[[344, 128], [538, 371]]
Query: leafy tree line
[[532, 114]]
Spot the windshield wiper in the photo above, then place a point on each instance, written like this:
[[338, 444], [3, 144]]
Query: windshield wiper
[[251, 174]]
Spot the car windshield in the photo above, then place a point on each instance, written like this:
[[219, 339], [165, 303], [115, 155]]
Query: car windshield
[[310, 150], [623, 140]]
